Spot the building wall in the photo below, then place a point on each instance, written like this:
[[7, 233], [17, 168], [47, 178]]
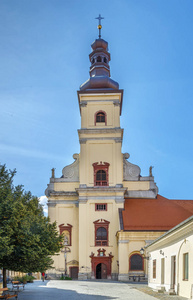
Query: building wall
[[130, 242], [175, 244]]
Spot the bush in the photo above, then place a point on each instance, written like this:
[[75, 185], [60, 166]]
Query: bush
[[24, 279], [63, 277]]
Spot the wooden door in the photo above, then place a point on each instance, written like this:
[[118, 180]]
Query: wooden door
[[74, 272], [103, 271]]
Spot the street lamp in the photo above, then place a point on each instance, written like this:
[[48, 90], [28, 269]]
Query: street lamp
[[142, 251], [66, 250]]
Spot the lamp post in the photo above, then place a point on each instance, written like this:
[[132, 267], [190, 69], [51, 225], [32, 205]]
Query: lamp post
[[142, 251], [66, 250]]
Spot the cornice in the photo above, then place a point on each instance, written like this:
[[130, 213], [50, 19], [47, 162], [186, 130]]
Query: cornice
[[84, 140], [100, 130], [62, 193]]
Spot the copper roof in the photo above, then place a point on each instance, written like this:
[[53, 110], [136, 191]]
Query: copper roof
[[158, 214]]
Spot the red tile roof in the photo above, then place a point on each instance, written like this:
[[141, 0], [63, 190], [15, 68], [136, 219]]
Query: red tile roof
[[158, 214]]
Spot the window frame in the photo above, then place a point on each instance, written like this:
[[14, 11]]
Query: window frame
[[95, 117], [101, 167], [97, 204], [154, 269], [98, 224], [134, 254], [186, 266]]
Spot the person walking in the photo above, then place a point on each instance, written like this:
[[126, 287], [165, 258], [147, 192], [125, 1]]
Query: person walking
[[43, 276]]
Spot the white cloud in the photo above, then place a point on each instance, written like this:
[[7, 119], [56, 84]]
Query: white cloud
[[43, 201]]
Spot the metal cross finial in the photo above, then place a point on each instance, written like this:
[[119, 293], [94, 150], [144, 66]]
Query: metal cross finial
[[99, 26]]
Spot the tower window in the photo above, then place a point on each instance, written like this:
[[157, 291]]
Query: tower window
[[93, 61], [100, 117], [99, 59], [105, 60], [101, 174], [101, 178]]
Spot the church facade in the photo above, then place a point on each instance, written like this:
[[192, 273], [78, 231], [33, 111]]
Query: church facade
[[102, 205]]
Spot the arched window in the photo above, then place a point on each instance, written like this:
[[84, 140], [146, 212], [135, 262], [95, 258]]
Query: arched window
[[101, 178], [99, 59], [101, 174], [101, 232], [100, 117], [92, 61], [105, 60], [136, 262]]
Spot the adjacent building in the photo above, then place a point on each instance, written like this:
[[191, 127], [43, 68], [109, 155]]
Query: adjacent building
[[171, 261]]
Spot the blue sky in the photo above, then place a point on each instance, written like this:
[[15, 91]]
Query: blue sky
[[44, 59]]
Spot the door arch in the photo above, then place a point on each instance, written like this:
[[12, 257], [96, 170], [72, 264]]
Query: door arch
[[101, 271]]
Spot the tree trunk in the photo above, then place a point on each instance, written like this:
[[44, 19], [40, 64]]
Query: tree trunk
[[4, 278]]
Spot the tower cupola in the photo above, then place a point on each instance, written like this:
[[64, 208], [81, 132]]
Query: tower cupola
[[99, 69]]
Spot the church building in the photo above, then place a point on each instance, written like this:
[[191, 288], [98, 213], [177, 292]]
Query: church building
[[106, 210]]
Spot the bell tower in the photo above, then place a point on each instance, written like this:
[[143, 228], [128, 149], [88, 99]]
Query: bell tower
[[100, 136], [101, 191]]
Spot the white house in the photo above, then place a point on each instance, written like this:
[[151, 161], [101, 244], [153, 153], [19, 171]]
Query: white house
[[171, 260]]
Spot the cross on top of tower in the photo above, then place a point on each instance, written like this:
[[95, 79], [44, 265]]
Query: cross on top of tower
[[99, 26]]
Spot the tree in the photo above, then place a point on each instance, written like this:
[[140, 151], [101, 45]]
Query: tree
[[27, 238]]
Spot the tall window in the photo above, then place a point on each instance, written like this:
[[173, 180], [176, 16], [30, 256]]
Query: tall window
[[101, 178], [100, 117], [101, 237], [101, 232], [154, 268], [136, 262], [185, 266], [101, 174]]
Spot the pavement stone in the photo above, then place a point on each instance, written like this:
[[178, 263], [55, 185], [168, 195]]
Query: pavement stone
[[88, 290]]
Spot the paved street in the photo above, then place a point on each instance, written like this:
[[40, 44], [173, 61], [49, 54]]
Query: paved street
[[87, 290], [77, 290]]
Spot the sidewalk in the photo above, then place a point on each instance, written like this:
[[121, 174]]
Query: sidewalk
[[145, 289]]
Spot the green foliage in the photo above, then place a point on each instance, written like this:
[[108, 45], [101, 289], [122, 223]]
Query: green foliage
[[27, 238], [63, 277], [24, 279]]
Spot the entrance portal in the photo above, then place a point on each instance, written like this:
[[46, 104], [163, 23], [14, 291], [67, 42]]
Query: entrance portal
[[101, 271]]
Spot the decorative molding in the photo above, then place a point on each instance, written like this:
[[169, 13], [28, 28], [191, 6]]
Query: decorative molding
[[131, 172], [71, 172], [116, 139], [116, 103], [83, 103], [100, 130], [54, 202], [123, 241]]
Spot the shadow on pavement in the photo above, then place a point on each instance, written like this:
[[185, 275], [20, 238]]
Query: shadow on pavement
[[39, 291]]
